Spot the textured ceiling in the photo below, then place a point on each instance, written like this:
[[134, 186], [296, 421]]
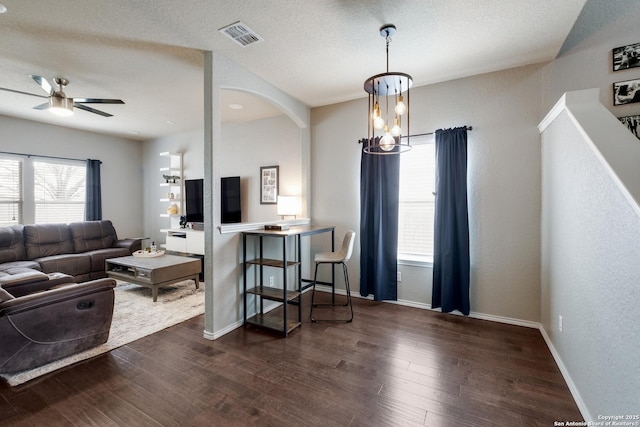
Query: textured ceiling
[[149, 52]]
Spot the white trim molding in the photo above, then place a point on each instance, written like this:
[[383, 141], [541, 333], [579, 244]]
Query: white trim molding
[[612, 143]]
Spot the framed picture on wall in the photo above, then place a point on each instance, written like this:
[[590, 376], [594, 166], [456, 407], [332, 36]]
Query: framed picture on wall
[[633, 123], [626, 92], [625, 57], [269, 185]]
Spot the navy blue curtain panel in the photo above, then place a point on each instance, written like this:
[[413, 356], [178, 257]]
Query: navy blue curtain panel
[[451, 262], [379, 180], [93, 196]]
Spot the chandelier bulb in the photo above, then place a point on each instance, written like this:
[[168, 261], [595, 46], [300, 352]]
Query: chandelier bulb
[[396, 130], [401, 108], [378, 123], [387, 142]]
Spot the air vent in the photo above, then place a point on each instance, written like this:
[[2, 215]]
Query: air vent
[[241, 34]]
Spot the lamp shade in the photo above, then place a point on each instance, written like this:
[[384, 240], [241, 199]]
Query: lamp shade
[[288, 205]]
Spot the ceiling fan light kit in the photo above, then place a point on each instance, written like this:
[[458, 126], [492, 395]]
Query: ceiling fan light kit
[[60, 105], [386, 90]]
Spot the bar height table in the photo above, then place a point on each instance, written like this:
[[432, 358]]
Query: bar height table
[[282, 294]]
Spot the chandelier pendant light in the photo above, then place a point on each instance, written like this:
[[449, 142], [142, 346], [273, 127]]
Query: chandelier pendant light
[[388, 108]]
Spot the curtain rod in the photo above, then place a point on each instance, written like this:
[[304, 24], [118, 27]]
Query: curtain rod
[[418, 134], [44, 157], [431, 133]]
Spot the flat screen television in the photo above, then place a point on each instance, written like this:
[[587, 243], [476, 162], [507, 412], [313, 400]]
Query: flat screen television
[[231, 201], [194, 199]]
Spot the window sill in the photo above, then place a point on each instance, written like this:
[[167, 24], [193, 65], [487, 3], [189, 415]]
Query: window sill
[[415, 260]]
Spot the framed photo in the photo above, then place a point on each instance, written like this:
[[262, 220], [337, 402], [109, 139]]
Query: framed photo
[[633, 123], [269, 185], [625, 57], [626, 92]]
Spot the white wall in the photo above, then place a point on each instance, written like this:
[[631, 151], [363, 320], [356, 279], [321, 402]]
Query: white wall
[[121, 172], [503, 177], [268, 142], [590, 235], [590, 271]]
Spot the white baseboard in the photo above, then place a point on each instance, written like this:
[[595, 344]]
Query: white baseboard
[[424, 306], [565, 374], [215, 335]]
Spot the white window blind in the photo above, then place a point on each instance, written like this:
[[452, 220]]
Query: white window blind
[[10, 191], [416, 210], [59, 191]]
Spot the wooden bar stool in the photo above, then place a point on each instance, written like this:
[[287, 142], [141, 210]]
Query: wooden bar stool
[[339, 257]]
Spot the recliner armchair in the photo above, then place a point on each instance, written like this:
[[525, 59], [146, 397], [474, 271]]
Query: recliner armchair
[[51, 323]]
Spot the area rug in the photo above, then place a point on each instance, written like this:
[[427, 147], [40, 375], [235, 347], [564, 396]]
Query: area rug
[[135, 315]]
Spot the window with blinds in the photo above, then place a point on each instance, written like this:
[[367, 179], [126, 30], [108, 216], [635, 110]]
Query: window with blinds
[[59, 191], [417, 202], [10, 191]]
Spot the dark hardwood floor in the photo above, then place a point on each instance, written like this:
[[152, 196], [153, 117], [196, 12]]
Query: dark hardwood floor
[[393, 365]]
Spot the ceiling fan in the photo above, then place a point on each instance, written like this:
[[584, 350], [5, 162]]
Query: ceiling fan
[[59, 103]]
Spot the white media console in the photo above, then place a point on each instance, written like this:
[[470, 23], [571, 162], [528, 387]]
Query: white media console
[[185, 240]]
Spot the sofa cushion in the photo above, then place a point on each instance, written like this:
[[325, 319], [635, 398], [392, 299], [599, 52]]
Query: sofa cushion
[[92, 235], [98, 257], [44, 240], [73, 264], [27, 276], [12, 243], [17, 267]]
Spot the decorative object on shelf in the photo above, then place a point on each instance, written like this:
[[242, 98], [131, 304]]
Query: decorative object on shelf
[[288, 206], [626, 92], [172, 209], [171, 196], [625, 57], [170, 179], [633, 123], [269, 185], [145, 254], [276, 227], [383, 89], [183, 221]]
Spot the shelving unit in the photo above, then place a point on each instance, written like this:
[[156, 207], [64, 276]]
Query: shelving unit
[[276, 322], [173, 167]]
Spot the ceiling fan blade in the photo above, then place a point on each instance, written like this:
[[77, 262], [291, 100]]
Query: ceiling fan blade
[[43, 83], [98, 101], [91, 110], [23, 93], [44, 106]]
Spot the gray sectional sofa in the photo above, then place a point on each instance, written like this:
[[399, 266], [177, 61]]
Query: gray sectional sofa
[[78, 249], [44, 321], [44, 315]]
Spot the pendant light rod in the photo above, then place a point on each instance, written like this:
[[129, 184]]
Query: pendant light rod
[[387, 31]]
